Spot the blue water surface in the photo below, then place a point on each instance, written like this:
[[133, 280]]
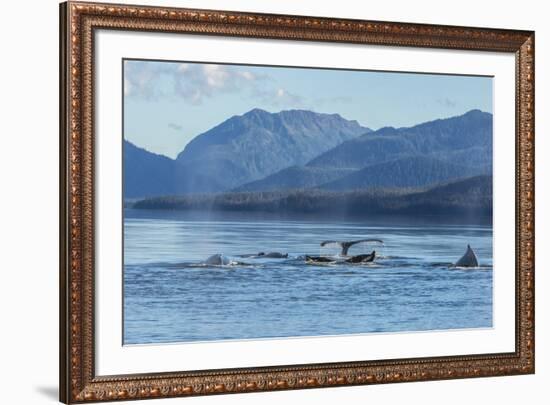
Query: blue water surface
[[170, 295]]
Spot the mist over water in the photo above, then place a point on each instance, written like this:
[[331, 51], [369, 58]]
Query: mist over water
[[171, 295]]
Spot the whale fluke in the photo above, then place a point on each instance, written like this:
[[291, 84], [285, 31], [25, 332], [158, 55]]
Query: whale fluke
[[469, 259], [345, 245]]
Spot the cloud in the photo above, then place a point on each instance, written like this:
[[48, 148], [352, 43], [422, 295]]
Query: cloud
[[194, 83], [127, 87], [278, 97], [174, 126], [446, 102], [191, 82], [141, 79]]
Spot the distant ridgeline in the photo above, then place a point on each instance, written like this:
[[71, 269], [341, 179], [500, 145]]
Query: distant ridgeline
[[309, 162]]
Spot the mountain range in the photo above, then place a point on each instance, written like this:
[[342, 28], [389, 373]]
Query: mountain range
[[243, 149], [297, 149]]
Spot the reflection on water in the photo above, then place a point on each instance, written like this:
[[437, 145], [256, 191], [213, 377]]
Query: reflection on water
[[172, 295]]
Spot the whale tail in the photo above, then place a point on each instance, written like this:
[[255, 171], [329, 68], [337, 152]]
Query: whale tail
[[345, 245], [469, 259]]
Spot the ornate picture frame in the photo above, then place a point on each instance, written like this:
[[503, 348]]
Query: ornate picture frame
[[79, 21]]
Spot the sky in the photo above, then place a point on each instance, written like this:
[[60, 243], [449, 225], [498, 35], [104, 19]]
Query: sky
[[167, 104]]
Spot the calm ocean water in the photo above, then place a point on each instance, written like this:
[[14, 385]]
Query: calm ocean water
[[170, 295]]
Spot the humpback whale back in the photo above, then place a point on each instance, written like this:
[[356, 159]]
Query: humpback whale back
[[218, 260], [273, 255], [362, 258], [469, 259], [223, 260], [345, 245]]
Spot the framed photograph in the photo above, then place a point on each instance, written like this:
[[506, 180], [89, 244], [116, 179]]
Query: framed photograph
[[255, 202]]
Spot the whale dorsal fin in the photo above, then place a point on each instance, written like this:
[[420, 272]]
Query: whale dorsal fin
[[469, 259]]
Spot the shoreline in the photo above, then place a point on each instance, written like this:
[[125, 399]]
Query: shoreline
[[378, 219]]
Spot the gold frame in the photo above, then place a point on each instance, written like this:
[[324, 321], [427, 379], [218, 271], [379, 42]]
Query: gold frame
[[78, 382]]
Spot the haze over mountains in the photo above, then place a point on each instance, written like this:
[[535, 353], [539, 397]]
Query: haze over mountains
[[466, 200], [297, 149]]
